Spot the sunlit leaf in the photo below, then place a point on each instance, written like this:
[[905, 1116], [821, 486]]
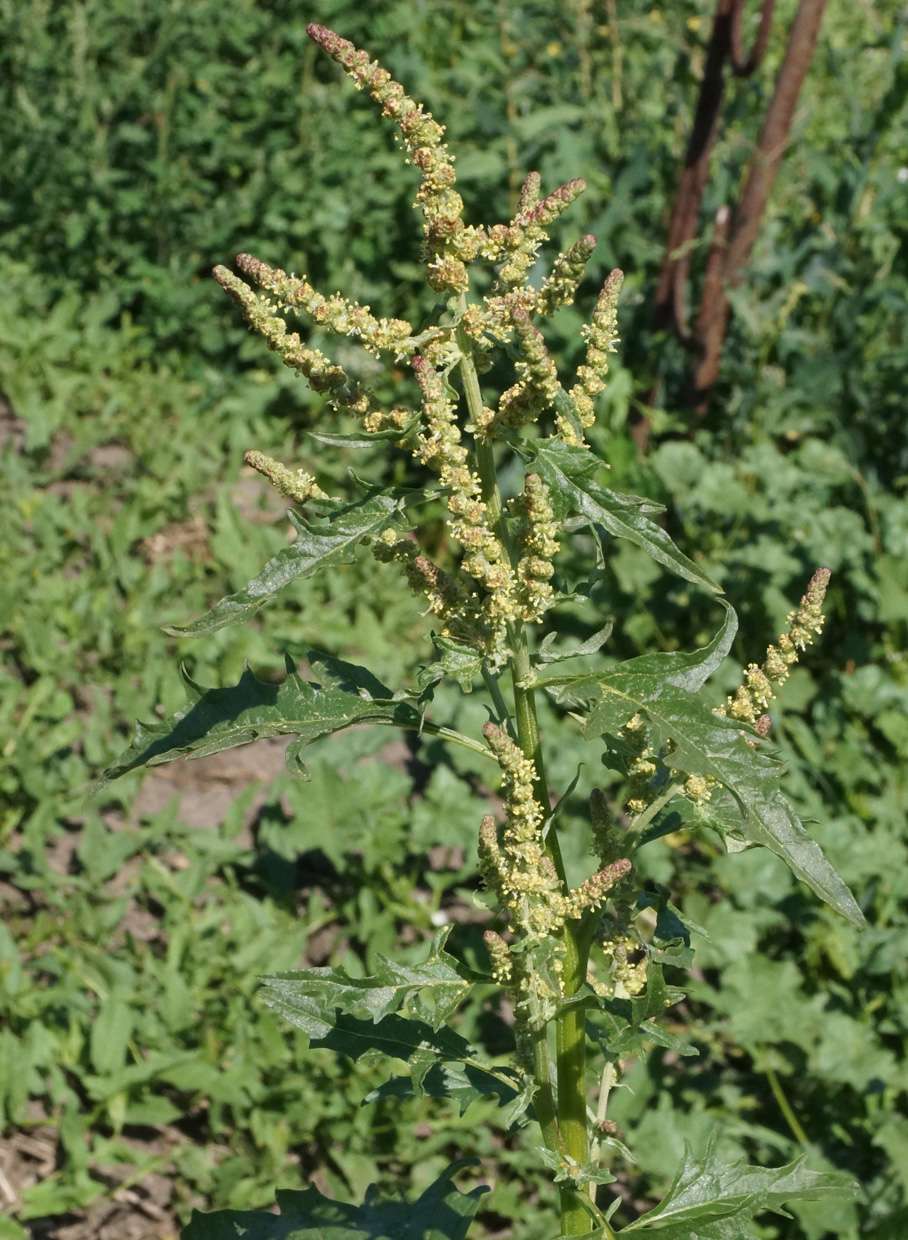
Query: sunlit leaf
[[321, 541], [704, 743], [716, 1200], [432, 991], [570, 473], [218, 719]]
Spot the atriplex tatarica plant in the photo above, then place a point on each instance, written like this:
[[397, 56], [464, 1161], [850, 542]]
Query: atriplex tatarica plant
[[581, 970]]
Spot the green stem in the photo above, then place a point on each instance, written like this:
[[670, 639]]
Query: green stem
[[446, 734], [491, 683], [785, 1108], [596, 1215], [570, 1039], [564, 1130], [642, 820]]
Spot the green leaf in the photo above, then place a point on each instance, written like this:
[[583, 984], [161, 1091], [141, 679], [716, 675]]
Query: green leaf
[[677, 669], [569, 471], [462, 1082], [366, 439], [709, 744], [396, 1037], [433, 991], [628, 1024], [217, 719], [592, 645], [462, 663], [714, 1200], [441, 1213], [321, 541]]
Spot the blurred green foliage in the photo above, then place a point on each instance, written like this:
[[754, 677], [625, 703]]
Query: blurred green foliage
[[141, 144]]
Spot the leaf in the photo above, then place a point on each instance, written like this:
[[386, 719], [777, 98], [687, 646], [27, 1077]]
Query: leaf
[[462, 663], [709, 744], [686, 670], [433, 990], [569, 472], [218, 719], [713, 1200], [366, 439], [628, 1023], [592, 645], [462, 1082], [397, 1037], [321, 541], [442, 1212]]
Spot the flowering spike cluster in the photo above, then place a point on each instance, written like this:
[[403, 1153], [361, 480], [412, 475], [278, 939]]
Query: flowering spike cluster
[[625, 976], [502, 969], [642, 767], [447, 596], [592, 893], [537, 542], [523, 877], [322, 374], [606, 832], [388, 420], [337, 314], [560, 288], [293, 484], [754, 695], [450, 244], [499, 582], [518, 242], [537, 385], [440, 448], [601, 337], [618, 936]]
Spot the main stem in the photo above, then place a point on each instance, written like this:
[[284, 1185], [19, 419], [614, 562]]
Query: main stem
[[564, 1125]]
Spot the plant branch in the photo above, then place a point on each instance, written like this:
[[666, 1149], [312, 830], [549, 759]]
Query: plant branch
[[569, 1130]]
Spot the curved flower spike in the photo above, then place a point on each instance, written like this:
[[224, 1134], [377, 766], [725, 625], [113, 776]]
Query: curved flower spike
[[450, 244]]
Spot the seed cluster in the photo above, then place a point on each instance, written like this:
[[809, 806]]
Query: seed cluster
[[293, 484], [642, 767], [522, 875], [449, 243], [601, 337], [753, 697], [496, 585], [537, 545]]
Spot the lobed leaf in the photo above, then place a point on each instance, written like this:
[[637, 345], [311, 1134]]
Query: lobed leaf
[[462, 1082], [321, 541], [570, 473], [709, 1200], [433, 990], [442, 1212], [218, 719], [628, 1024], [659, 686], [462, 663], [397, 1037]]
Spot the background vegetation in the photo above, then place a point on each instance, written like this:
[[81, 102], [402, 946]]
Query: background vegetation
[[141, 144]]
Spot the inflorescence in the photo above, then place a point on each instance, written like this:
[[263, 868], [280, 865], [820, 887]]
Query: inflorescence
[[494, 586], [503, 572], [520, 872]]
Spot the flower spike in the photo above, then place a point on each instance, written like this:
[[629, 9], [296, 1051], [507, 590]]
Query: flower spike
[[449, 242]]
